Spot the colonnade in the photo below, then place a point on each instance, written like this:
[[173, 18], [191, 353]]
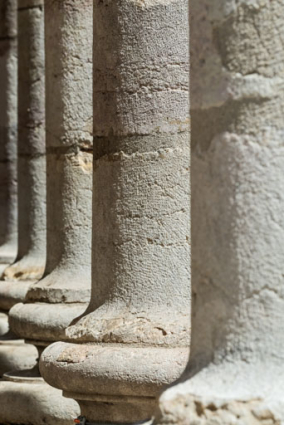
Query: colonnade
[[98, 290]]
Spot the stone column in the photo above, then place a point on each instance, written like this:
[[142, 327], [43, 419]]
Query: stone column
[[8, 132], [8, 140], [31, 257], [64, 291], [235, 374], [134, 336]]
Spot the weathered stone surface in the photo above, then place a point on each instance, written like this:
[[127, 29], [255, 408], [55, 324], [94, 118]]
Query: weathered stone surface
[[2, 268], [235, 373], [43, 321], [68, 270], [30, 261], [12, 293], [135, 332], [8, 131], [128, 378], [62, 294], [8, 17], [192, 410], [119, 371], [44, 316], [4, 325], [65, 288], [27, 399], [15, 355]]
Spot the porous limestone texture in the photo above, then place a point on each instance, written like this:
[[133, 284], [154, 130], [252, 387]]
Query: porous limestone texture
[[235, 373], [34, 402], [192, 410], [112, 383], [134, 336], [53, 302], [8, 131]]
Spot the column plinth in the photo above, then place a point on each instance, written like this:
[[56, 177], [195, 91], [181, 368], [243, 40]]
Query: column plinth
[[122, 381], [235, 373], [34, 402], [15, 354], [44, 321], [134, 337]]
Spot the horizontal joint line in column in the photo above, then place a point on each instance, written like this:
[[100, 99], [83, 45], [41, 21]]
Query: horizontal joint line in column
[[126, 345], [31, 155], [65, 150], [38, 6], [7, 38], [148, 134]]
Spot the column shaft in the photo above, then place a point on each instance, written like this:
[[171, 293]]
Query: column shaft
[[69, 147], [8, 132]]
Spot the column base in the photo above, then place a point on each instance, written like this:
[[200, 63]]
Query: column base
[[4, 324], [44, 321], [7, 257], [13, 292], [15, 354], [61, 286], [115, 383], [3, 266], [111, 409], [25, 269], [233, 394], [26, 399]]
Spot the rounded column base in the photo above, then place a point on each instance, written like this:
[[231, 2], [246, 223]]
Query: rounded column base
[[13, 292], [112, 382], [7, 257], [4, 323], [28, 400], [44, 321], [3, 266], [107, 409], [16, 355]]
